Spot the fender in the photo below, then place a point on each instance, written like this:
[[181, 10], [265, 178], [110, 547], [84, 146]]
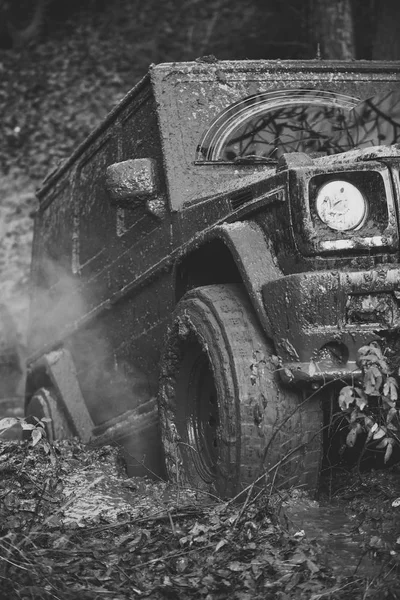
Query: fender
[[254, 258]]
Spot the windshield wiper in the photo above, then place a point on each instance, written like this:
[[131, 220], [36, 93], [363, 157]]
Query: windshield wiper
[[254, 158]]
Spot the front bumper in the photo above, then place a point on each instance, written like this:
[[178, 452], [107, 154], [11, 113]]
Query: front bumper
[[320, 319]]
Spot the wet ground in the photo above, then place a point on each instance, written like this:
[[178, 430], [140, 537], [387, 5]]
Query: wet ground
[[352, 546], [354, 525], [357, 531]]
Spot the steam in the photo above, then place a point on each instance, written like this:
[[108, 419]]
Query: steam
[[57, 304], [11, 357], [48, 310], [111, 380], [15, 253]]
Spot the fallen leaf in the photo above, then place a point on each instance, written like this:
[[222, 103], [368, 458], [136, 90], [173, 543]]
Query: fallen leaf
[[220, 544], [8, 422]]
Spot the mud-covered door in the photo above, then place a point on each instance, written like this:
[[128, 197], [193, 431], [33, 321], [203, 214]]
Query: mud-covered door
[[95, 222]]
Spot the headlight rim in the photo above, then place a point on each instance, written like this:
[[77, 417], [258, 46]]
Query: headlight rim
[[334, 223]]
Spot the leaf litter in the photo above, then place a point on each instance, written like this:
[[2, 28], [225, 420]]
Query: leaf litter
[[73, 525]]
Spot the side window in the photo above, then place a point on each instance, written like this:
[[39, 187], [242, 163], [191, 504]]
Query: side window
[[262, 127]]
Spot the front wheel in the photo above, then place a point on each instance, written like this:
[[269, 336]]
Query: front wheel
[[225, 416]]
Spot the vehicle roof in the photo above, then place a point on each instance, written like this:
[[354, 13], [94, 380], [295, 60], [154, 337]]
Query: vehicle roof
[[189, 95]]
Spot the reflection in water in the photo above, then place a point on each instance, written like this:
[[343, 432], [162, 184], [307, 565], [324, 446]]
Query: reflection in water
[[337, 535], [315, 122]]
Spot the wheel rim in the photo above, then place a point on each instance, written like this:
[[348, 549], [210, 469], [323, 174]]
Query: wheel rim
[[203, 422]]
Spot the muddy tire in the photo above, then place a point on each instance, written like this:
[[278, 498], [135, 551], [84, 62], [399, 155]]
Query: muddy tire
[[44, 404], [225, 417]]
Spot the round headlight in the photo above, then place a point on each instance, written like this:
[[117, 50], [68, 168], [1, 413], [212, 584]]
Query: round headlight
[[341, 206]]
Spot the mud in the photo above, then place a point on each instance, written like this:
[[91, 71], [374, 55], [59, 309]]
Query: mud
[[356, 523], [338, 535]]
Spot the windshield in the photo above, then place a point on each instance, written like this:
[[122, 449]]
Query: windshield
[[263, 127]]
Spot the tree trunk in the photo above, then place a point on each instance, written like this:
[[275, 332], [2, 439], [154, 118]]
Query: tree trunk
[[334, 29], [386, 45]]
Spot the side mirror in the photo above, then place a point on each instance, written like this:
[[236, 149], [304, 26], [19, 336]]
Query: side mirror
[[132, 182]]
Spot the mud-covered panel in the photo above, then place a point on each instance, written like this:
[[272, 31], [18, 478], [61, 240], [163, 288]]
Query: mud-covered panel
[[139, 138], [97, 249], [118, 353], [310, 310], [97, 217], [191, 95], [52, 279], [53, 227], [74, 227]]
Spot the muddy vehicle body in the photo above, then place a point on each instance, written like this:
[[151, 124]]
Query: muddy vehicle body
[[223, 215]]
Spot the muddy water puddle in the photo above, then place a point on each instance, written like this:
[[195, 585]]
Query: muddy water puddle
[[355, 534], [349, 545]]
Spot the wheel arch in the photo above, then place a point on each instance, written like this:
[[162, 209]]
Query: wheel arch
[[239, 253], [37, 377]]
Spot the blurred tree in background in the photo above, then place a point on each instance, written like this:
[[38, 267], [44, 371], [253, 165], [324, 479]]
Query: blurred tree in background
[[386, 43], [334, 28], [359, 29], [343, 29]]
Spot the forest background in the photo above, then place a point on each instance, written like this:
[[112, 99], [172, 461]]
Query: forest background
[[58, 84]]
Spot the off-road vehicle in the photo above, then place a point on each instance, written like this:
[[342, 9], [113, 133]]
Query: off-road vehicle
[[210, 258]]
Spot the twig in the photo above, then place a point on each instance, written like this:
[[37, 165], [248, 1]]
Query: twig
[[62, 508], [275, 466], [273, 482], [245, 504], [289, 416], [334, 590], [360, 561], [171, 522], [38, 503], [14, 564], [142, 464], [204, 492], [171, 555], [177, 474]]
